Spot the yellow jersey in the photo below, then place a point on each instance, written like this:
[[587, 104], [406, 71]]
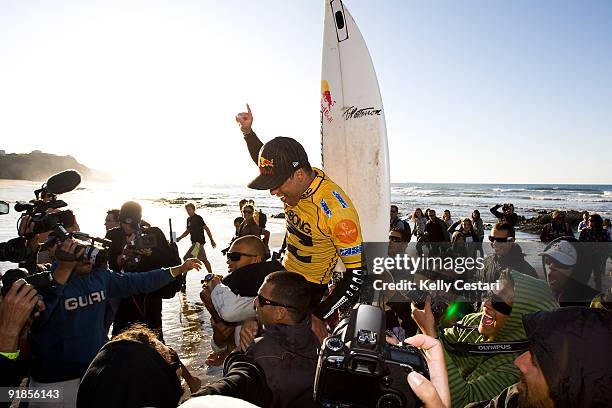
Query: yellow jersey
[[321, 228]]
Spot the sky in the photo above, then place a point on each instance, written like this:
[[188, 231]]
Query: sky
[[473, 91]]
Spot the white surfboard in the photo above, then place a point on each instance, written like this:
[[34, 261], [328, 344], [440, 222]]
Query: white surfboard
[[353, 131]]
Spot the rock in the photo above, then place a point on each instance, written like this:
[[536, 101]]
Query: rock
[[534, 225]]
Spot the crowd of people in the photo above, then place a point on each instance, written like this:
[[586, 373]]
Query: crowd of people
[[531, 341]]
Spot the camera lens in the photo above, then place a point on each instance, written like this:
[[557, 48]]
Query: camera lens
[[389, 401]]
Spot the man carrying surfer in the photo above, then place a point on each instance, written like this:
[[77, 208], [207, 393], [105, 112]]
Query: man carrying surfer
[[322, 223]]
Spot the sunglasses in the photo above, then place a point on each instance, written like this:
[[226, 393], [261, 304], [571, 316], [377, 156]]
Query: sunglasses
[[235, 256], [497, 302], [499, 239], [395, 239], [247, 212], [265, 302]]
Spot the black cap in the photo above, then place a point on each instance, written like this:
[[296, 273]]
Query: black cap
[[131, 213], [278, 159]]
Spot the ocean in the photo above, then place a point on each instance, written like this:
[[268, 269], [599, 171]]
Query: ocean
[[186, 322]]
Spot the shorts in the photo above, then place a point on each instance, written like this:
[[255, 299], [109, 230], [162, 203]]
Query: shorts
[[196, 250]]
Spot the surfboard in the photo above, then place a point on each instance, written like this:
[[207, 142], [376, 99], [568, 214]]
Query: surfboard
[[354, 146]]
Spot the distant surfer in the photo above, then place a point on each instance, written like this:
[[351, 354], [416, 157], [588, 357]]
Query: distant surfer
[[322, 223], [195, 228]]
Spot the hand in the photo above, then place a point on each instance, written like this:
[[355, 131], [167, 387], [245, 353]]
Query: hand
[[178, 239], [213, 282], [434, 393], [15, 310], [245, 120], [247, 333], [319, 328], [424, 318], [213, 243], [189, 264], [67, 249]]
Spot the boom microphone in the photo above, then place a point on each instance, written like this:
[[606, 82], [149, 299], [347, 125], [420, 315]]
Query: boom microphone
[[63, 182]]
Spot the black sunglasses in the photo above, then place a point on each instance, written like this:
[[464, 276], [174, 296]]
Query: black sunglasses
[[395, 239], [497, 302], [265, 301], [499, 239], [235, 256]]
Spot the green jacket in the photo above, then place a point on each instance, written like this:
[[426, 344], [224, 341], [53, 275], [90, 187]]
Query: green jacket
[[482, 377]]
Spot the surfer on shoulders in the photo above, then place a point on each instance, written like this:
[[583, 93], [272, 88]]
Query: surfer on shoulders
[[322, 223]]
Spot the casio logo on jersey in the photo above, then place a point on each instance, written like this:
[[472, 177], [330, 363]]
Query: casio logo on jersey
[[295, 219]]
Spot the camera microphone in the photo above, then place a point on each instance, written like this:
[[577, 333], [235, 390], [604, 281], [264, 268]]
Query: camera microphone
[[63, 182]]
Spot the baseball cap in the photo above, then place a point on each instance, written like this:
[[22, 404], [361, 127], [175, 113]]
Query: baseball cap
[[278, 159], [562, 252], [130, 213]]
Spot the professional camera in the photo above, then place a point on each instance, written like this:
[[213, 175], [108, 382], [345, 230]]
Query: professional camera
[[358, 368], [40, 281], [144, 240], [95, 250], [46, 199], [15, 250]]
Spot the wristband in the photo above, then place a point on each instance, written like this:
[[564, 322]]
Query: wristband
[[175, 271], [10, 355]]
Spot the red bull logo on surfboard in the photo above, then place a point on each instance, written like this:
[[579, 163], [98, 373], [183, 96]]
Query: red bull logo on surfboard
[[326, 101]]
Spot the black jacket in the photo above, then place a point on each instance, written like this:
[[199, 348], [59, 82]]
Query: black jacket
[[242, 378], [128, 374], [288, 356], [144, 308], [555, 230], [246, 281], [514, 260]]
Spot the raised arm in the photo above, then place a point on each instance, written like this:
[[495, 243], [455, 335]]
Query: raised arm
[[245, 121]]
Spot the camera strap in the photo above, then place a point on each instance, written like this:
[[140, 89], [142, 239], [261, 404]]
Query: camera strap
[[484, 347]]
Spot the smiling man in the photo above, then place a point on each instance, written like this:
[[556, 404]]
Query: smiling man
[[479, 349], [322, 223]]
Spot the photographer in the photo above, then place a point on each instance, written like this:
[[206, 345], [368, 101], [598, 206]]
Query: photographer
[[15, 317], [474, 376], [507, 215], [137, 247], [70, 331]]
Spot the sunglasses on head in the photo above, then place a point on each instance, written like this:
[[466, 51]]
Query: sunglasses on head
[[500, 239], [235, 256], [265, 302], [497, 302]]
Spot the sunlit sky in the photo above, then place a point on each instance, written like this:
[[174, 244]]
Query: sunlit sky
[[474, 91]]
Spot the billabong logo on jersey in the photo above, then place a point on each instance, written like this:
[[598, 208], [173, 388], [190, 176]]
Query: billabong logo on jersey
[[340, 199], [351, 251], [326, 209]]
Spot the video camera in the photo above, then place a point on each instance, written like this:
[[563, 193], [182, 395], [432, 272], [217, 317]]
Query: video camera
[[358, 368], [46, 199], [95, 251]]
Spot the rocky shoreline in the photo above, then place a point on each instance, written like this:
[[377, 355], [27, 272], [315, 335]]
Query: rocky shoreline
[[534, 225]]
